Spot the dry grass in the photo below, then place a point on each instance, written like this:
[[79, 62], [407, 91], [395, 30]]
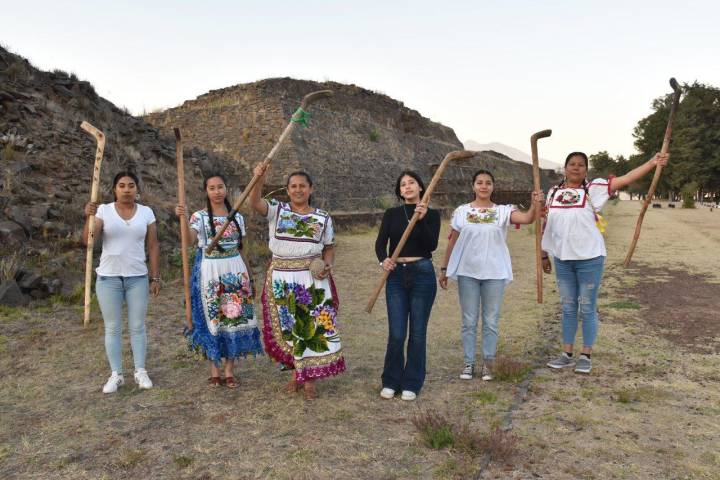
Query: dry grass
[[57, 424]]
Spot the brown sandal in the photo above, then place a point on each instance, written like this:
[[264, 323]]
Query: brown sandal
[[230, 382], [310, 392], [214, 382]]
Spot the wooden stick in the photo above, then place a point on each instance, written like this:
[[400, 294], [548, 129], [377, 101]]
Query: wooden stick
[[100, 139], [538, 218], [184, 240], [455, 155], [306, 101], [658, 171]]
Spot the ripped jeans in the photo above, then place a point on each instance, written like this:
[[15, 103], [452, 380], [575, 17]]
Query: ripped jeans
[[579, 283]]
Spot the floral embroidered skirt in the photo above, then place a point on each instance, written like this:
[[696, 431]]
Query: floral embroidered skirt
[[300, 320], [223, 314]]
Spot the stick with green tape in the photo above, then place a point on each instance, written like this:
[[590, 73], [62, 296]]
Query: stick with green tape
[[299, 117]]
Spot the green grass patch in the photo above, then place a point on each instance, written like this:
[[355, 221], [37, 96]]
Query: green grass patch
[[625, 304], [182, 461], [484, 397], [643, 393]]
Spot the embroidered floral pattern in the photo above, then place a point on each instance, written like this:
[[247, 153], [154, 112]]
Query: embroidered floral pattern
[[307, 318], [229, 300], [482, 215], [299, 226], [568, 197]]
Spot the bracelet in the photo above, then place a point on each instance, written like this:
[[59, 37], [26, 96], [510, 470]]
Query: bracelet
[[155, 279], [443, 269], [545, 257]]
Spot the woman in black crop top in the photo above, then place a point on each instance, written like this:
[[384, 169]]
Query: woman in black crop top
[[411, 286]]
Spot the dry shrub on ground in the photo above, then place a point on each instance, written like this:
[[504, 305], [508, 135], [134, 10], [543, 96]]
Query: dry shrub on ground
[[438, 431]]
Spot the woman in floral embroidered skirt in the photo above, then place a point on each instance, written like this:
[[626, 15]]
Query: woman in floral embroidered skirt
[[300, 303], [223, 314]]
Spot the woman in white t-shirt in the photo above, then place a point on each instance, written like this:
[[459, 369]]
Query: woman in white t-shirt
[[477, 257], [127, 229], [574, 240]]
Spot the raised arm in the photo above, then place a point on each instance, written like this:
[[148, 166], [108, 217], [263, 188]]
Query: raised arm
[[180, 212], [636, 174], [524, 218], [256, 201]]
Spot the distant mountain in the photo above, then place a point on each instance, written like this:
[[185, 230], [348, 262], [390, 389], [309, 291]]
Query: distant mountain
[[509, 151]]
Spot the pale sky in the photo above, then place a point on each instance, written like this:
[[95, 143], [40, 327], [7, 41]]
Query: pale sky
[[494, 71]]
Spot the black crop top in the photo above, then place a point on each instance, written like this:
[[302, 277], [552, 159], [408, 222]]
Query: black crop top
[[423, 240]]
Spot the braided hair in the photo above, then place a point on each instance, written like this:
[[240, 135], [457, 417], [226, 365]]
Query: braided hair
[[229, 209]]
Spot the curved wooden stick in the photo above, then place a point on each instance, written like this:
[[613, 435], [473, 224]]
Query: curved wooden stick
[[184, 240], [100, 139], [306, 101], [658, 171], [455, 155], [538, 218]]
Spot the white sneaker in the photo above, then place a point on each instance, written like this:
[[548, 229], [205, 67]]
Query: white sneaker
[[387, 393], [142, 379], [408, 396], [116, 380], [468, 371]]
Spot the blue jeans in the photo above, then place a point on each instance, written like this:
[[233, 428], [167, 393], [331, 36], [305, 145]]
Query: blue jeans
[[111, 292], [410, 292], [472, 293], [579, 284]]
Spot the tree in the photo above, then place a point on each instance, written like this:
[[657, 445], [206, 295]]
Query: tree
[[695, 145]]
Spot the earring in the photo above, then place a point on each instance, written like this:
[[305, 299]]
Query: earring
[[137, 197]]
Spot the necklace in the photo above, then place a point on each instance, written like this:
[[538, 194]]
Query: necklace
[[405, 212]]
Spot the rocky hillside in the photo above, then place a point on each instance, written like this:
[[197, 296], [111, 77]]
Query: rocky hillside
[[47, 161], [356, 144]]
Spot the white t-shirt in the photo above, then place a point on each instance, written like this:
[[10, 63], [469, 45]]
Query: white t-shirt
[[123, 249], [294, 235], [481, 250], [570, 231]]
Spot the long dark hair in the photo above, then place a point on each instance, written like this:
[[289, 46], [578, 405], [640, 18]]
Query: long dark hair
[[489, 174], [412, 174], [121, 174], [227, 205], [299, 173]]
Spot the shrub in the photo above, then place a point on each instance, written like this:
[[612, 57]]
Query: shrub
[[688, 195], [508, 370], [435, 429], [374, 135], [438, 432]]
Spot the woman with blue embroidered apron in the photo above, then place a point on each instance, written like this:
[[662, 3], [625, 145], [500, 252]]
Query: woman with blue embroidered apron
[[572, 235], [300, 303], [223, 314]]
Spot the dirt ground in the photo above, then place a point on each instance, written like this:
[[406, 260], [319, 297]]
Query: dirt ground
[[650, 408]]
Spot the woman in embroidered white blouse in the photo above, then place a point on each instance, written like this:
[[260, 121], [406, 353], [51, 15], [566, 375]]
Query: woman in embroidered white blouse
[[477, 257], [573, 238], [300, 302]]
